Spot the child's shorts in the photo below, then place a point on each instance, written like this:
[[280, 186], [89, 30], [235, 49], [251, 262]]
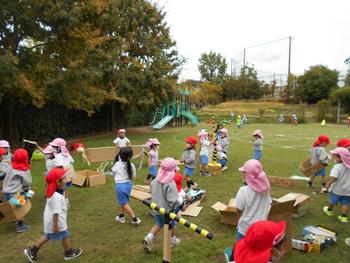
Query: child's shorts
[[188, 171], [321, 172], [239, 236], [257, 154], [123, 192], [159, 221], [342, 199], [57, 236], [204, 159], [223, 162], [152, 170], [8, 196], [69, 184]]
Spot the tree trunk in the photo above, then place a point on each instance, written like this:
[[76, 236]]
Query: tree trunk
[[12, 121], [113, 120]]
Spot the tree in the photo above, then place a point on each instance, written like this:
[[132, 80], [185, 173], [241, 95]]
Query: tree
[[316, 84], [288, 93], [212, 66], [209, 93], [342, 95]]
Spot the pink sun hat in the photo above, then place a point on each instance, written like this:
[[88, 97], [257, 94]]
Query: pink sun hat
[[258, 133], [152, 141], [344, 155], [4, 144], [49, 149], [166, 172], [59, 142], [255, 176]]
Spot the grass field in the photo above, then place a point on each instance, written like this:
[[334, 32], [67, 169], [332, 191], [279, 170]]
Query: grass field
[[92, 212]]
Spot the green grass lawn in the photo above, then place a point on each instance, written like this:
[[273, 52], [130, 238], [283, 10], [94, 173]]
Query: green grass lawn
[[92, 212]]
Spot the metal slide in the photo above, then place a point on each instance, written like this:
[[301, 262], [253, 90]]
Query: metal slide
[[187, 114], [162, 122]]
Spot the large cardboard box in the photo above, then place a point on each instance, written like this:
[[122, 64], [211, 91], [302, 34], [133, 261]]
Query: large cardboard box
[[10, 213], [301, 204], [309, 169], [278, 211], [88, 178]]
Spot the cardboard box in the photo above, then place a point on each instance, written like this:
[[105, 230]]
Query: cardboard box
[[309, 169], [278, 211], [301, 204], [88, 178], [10, 213]]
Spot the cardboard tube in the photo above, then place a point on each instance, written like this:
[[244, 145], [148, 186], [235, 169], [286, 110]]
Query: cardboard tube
[[166, 244]]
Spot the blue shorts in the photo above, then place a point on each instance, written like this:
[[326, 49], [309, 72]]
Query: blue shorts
[[223, 162], [342, 199], [123, 192], [152, 170], [239, 236], [8, 196], [321, 172], [204, 159], [159, 220], [257, 154], [57, 236], [69, 184], [188, 171]]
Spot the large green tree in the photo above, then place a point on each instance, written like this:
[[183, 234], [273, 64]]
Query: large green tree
[[212, 66], [316, 84]]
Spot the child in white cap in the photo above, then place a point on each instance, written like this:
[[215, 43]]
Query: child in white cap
[[258, 144], [7, 157], [121, 140]]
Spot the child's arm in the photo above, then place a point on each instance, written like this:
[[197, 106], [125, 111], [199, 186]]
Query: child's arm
[[55, 223], [330, 182]]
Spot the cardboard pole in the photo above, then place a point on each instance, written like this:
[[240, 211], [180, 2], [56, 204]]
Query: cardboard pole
[[166, 244]]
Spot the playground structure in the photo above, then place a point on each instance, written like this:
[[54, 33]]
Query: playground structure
[[176, 113]]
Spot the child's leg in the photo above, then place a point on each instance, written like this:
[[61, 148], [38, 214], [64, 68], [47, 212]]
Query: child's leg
[[128, 210], [66, 243], [42, 240], [324, 181], [344, 210], [311, 179]]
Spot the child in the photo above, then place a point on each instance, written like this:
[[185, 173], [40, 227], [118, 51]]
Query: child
[[345, 143], [239, 122], [153, 144], [7, 157], [224, 142], [124, 173], [49, 152], [121, 140], [189, 159], [339, 184], [55, 217], [222, 158], [263, 243], [204, 153], [281, 119], [18, 178], [219, 126], [253, 200], [4, 167], [319, 154], [295, 119], [258, 144], [164, 194]]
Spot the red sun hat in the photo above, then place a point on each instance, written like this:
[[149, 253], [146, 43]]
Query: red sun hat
[[52, 177], [178, 181], [20, 160], [191, 140], [343, 143], [321, 139], [257, 243]]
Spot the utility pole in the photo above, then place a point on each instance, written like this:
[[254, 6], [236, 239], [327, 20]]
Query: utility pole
[[231, 67], [289, 54], [244, 58]]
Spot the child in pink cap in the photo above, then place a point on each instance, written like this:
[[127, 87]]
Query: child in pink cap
[[153, 145], [253, 200], [204, 152], [339, 184], [165, 194], [7, 157], [224, 143], [258, 144]]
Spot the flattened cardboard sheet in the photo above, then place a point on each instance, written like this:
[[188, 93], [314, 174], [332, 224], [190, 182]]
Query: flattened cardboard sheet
[[281, 181], [140, 195]]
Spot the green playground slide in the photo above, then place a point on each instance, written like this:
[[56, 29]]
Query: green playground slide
[[163, 122], [188, 115]]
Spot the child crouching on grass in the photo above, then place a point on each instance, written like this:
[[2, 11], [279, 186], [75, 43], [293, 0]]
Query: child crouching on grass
[[339, 184], [165, 194], [124, 173], [55, 217]]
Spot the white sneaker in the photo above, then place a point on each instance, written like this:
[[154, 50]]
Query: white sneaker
[[120, 219], [224, 168], [174, 241], [147, 244], [347, 241], [137, 222]]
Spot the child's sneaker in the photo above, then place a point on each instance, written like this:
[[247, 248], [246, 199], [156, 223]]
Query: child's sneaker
[[309, 184], [347, 241], [32, 257], [207, 174], [136, 223], [327, 212], [147, 244], [22, 228], [120, 219], [228, 254], [224, 168], [343, 219], [174, 241], [73, 253]]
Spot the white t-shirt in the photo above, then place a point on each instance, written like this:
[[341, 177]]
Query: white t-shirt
[[205, 147], [153, 155], [121, 142], [255, 207], [342, 185], [56, 204], [119, 170], [63, 160], [318, 154], [49, 163]]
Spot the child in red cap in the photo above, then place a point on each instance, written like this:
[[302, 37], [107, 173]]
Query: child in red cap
[[189, 159], [55, 217], [263, 243], [319, 154], [345, 143]]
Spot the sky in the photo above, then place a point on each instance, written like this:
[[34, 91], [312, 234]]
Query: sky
[[320, 32]]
